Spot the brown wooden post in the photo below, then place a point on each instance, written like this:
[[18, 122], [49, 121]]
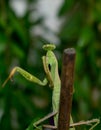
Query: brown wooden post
[[66, 89]]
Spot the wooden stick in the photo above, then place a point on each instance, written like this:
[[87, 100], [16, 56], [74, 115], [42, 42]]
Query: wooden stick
[[66, 89]]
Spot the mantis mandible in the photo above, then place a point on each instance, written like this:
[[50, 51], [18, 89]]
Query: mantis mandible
[[50, 65]]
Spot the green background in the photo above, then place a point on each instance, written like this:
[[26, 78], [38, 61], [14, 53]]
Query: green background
[[22, 102]]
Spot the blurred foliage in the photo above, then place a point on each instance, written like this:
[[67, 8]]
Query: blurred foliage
[[22, 102], [81, 29]]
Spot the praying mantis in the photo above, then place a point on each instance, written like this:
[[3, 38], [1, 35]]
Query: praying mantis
[[50, 65], [52, 78]]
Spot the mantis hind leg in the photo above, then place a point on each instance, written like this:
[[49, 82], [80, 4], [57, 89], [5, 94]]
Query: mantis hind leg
[[97, 122], [35, 124]]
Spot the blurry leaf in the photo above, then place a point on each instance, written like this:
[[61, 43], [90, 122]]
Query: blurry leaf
[[80, 63], [92, 60], [97, 11], [82, 89], [3, 41], [66, 6], [86, 36], [71, 28], [83, 106], [1, 108], [99, 78], [18, 28], [17, 51]]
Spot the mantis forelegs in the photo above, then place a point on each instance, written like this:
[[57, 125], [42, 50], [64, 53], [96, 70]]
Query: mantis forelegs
[[47, 71], [27, 75]]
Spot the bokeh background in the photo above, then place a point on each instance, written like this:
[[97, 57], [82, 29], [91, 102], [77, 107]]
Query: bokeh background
[[25, 26]]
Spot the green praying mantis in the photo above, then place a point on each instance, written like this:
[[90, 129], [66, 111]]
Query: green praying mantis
[[50, 65]]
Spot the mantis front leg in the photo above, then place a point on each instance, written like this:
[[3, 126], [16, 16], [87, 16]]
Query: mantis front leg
[[26, 75]]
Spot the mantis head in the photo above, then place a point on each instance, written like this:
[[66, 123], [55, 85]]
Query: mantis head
[[49, 47]]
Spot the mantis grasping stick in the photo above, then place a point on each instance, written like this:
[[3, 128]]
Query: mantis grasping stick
[[52, 77]]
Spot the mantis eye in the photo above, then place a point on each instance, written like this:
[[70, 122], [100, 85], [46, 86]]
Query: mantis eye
[[48, 47], [49, 67]]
